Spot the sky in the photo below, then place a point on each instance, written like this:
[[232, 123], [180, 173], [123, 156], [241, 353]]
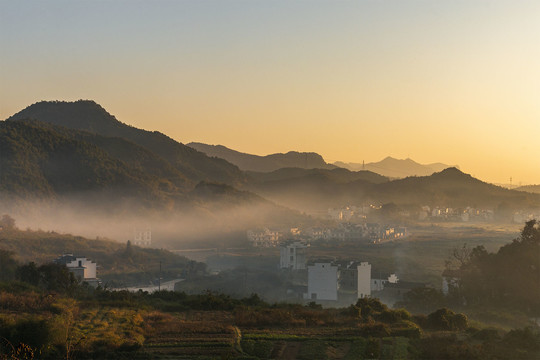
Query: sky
[[454, 81]]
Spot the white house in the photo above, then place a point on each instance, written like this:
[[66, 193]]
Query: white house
[[323, 282], [84, 269], [293, 255], [380, 280]]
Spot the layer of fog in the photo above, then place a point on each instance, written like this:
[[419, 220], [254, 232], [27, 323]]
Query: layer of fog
[[205, 224]]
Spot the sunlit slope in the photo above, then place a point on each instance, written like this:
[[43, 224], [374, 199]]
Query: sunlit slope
[[89, 116], [268, 163]]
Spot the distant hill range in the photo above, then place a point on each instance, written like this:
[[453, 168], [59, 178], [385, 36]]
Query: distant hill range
[[396, 168], [268, 163], [448, 188], [66, 150], [76, 153], [529, 188]]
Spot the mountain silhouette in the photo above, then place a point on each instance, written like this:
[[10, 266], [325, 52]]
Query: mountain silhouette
[[396, 168], [268, 163], [89, 116]]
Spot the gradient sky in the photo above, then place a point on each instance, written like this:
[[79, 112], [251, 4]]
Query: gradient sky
[[437, 81]]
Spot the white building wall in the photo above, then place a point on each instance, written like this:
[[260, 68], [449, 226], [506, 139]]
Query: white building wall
[[90, 268], [142, 237], [364, 280], [322, 281], [293, 256]]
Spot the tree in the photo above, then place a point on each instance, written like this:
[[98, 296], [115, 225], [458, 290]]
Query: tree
[[7, 222], [8, 266], [509, 278]]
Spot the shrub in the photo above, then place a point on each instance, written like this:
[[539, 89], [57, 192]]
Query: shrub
[[445, 319]]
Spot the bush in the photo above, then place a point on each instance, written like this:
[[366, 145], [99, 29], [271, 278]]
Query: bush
[[445, 319]]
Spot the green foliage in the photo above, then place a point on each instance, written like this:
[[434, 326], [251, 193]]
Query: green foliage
[[261, 349], [370, 307], [50, 277], [312, 349], [373, 348], [88, 116], [447, 348], [8, 265], [357, 350], [445, 319], [509, 278], [32, 332], [423, 300]]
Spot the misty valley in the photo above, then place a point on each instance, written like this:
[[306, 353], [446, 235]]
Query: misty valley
[[118, 242]]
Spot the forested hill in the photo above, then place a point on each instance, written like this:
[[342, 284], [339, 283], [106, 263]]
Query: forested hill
[[450, 188], [39, 162], [88, 116]]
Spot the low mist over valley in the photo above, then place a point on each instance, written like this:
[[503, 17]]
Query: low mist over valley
[[256, 180], [71, 166]]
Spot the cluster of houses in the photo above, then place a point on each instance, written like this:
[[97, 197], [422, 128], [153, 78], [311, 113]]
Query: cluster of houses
[[351, 212], [367, 232], [459, 215], [521, 217], [341, 282]]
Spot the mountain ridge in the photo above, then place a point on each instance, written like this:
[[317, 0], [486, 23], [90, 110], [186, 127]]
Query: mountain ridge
[[396, 168], [267, 163], [89, 116]]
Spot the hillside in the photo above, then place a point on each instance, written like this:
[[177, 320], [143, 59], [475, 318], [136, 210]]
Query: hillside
[[88, 116], [529, 188], [450, 187], [396, 168], [38, 162], [337, 175], [268, 163], [117, 262], [81, 182]]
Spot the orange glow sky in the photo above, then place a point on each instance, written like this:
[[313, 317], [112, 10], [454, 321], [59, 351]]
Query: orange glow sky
[[437, 81]]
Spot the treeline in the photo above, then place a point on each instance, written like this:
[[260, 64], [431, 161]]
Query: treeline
[[508, 280]]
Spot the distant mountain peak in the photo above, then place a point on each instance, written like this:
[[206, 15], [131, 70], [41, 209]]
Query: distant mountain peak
[[396, 168], [268, 163]]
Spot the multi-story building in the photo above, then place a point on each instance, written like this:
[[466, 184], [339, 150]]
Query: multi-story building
[[293, 255], [142, 237], [323, 281], [264, 237]]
